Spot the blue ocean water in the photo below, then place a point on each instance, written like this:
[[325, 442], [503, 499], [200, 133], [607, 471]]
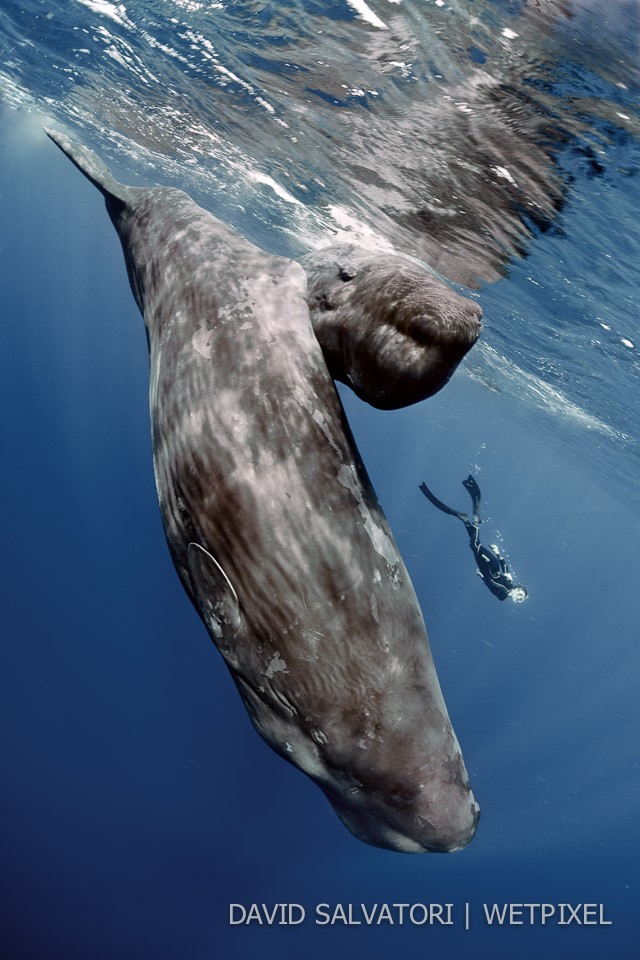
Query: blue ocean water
[[137, 801]]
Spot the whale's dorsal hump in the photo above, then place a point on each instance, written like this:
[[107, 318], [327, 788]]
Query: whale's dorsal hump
[[216, 599]]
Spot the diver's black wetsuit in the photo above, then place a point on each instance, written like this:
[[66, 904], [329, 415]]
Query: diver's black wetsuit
[[492, 566]]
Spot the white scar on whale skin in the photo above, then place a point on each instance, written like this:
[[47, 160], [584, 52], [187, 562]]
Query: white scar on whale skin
[[277, 665], [306, 402], [381, 542], [202, 342]]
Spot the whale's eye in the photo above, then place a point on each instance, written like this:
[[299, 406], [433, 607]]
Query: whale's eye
[[345, 274]]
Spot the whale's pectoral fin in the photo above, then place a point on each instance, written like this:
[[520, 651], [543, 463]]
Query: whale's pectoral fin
[[216, 599]]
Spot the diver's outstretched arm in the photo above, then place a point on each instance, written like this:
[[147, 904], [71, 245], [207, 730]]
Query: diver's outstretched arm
[[442, 506]]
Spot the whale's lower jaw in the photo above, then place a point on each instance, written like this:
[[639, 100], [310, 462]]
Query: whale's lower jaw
[[416, 834]]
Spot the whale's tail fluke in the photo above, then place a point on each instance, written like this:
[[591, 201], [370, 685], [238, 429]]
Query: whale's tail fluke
[[92, 166]]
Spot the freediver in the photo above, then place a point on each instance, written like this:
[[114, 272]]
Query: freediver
[[492, 566]]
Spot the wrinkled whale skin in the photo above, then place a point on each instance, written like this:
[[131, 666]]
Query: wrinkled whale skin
[[275, 530]]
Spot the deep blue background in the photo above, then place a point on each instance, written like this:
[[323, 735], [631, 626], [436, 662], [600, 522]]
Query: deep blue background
[[136, 800]]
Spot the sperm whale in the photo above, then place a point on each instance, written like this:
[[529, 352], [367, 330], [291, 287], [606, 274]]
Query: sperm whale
[[274, 528]]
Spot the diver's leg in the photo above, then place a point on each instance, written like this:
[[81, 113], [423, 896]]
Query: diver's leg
[[472, 530], [473, 490], [442, 506]]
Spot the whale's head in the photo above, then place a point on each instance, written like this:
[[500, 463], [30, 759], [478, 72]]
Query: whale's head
[[403, 785], [388, 326], [410, 808], [369, 725], [351, 698]]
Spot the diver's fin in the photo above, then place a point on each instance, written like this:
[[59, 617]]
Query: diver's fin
[[216, 599], [473, 490], [439, 504], [472, 487], [91, 165]]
